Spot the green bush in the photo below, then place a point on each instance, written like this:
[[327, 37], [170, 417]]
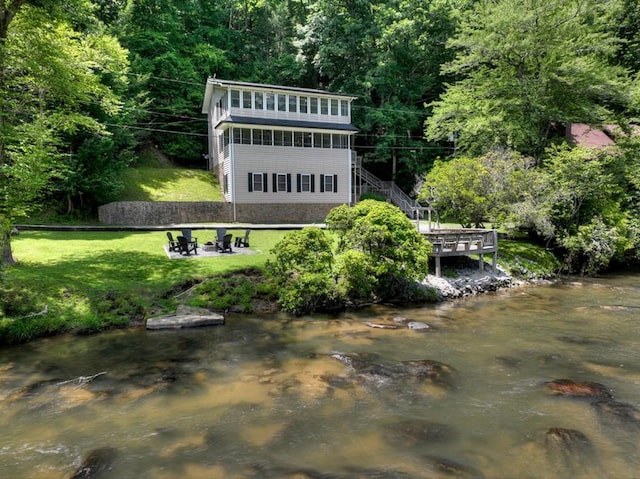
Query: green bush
[[378, 255]]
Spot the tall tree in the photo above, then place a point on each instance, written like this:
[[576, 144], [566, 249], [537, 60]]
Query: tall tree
[[51, 77], [525, 66], [388, 53]]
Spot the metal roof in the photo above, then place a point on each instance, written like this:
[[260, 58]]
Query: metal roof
[[263, 86], [314, 125]]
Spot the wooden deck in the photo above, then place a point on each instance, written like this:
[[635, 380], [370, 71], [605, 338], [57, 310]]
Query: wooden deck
[[463, 242]]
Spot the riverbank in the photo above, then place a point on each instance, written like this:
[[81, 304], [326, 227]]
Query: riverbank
[[469, 282]]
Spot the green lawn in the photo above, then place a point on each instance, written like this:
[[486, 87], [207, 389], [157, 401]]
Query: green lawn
[[94, 280]]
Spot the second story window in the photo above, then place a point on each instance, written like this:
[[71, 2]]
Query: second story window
[[271, 101], [303, 105], [293, 104], [258, 100], [282, 102], [313, 105], [334, 107], [235, 99], [324, 106], [344, 108], [246, 99]]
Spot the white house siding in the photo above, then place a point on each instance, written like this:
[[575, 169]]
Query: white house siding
[[283, 160]]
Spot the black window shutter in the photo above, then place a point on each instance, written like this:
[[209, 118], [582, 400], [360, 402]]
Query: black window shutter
[[288, 182], [299, 180], [335, 183], [264, 182], [313, 183], [250, 182], [321, 183], [274, 186]]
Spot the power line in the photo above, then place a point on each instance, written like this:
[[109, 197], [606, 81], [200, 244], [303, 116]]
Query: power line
[[158, 130]]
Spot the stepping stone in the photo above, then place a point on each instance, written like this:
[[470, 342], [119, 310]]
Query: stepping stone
[[186, 317]]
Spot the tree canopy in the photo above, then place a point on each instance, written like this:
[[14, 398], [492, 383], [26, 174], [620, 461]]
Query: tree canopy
[[524, 67]]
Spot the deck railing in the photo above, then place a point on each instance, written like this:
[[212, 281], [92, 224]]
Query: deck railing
[[463, 242]]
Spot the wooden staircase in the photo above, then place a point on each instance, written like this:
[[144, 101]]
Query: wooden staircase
[[366, 182]]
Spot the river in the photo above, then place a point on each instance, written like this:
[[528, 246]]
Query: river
[[331, 397]]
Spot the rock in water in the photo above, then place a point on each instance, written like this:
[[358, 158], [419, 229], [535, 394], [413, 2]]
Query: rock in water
[[96, 462], [619, 413], [583, 389], [416, 432], [428, 369], [568, 444]]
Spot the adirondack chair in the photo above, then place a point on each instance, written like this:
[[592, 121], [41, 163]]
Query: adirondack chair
[[187, 234], [225, 246], [186, 247], [220, 232], [243, 242], [173, 244]]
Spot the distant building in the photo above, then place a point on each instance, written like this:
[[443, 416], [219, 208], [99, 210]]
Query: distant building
[[281, 154], [581, 134]]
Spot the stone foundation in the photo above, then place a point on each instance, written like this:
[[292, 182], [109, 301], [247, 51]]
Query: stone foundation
[[146, 213], [164, 212]]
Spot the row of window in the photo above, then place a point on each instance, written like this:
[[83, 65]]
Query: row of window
[[299, 139], [258, 100], [282, 182]]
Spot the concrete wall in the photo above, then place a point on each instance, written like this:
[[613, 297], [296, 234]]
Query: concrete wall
[[146, 213]]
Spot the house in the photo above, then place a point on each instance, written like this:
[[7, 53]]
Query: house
[[281, 154]]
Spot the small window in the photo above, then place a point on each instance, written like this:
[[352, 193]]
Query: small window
[[282, 182], [326, 140], [293, 104], [313, 104], [288, 138], [271, 101], [317, 140], [303, 104], [237, 135], [297, 139], [225, 140], [246, 136], [334, 107], [235, 99], [328, 183], [246, 99], [257, 137], [257, 182], [278, 138], [344, 108], [282, 102], [267, 137], [324, 106], [258, 100], [305, 183], [308, 140]]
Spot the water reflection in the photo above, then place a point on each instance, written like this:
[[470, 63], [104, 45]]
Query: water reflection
[[333, 398]]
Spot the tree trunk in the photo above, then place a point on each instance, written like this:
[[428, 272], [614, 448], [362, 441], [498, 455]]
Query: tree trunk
[[7, 255]]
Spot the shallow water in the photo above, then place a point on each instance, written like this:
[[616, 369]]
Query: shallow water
[[263, 397]]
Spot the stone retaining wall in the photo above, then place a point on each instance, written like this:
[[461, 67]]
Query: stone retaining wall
[[146, 213], [164, 212]]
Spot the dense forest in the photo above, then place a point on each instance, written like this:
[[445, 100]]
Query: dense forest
[[86, 85]]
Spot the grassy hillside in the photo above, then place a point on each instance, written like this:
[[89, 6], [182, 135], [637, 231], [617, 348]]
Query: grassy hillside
[[170, 184], [154, 177]]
